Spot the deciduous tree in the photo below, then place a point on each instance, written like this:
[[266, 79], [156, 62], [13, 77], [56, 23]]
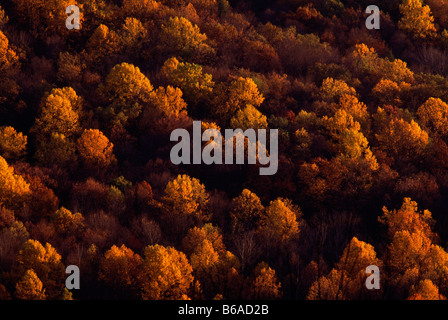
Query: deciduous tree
[[30, 287], [13, 188], [187, 196], [408, 218], [12, 143], [180, 37], [235, 96], [166, 274], [266, 285], [196, 85], [426, 290], [119, 269], [433, 114], [47, 264], [95, 149], [126, 90], [249, 118], [247, 211], [166, 111], [280, 223], [58, 115], [416, 19], [347, 280]]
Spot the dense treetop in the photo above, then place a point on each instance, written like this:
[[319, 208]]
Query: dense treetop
[[85, 171]]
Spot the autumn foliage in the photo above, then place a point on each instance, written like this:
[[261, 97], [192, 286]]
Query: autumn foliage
[[86, 177]]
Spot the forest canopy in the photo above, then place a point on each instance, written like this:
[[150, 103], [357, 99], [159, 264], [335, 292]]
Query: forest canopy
[[86, 177]]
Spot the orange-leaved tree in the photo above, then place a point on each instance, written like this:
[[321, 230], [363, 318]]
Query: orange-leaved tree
[[166, 274]]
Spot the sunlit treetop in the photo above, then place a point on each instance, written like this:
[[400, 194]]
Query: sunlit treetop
[[180, 37], [12, 143], [196, 236], [280, 223], [364, 61], [403, 139], [266, 285], [65, 221], [187, 196], [347, 280], [13, 188], [119, 268], [235, 96], [95, 149], [126, 89], [29, 287], [408, 218], [133, 34], [166, 274], [356, 256], [332, 90], [195, 84], [249, 118], [433, 114], [426, 290], [416, 19], [247, 210], [102, 43], [8, 57], [140, 8]]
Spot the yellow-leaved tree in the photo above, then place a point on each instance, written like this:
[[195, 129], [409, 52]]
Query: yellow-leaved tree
[[416, 19], [13, 188], [133, 35], [235, 96], [104, 42], [12, 143], [196, 85], [249, 118], [412, 254], [66, 222], [166, 274], [433, 114], [180, 37], [119, 270], [280, 223], [29, 287], [125, 90], [426, 290], [247, 210], [347, 280], [402, 139], [266, 285], [95, 149], [57, 125], [58, 114], [331, 90], [408, 218], [187, 196], [47, 264], [165, 112], [214, 267]]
